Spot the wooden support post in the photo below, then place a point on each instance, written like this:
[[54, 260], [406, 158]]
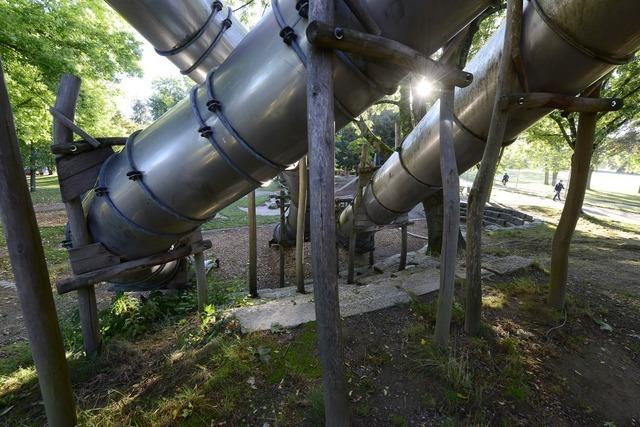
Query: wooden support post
[[484, 179], [451, 225], [282, 237], [253, 245], [397, 135], [580, 163], [321, 131], [403, 248], [303, 178], [66, 105], [382, 49], [582, 104], [31, 275], [201, 275]]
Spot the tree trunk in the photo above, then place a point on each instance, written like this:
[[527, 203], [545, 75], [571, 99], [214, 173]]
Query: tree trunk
[[434, 212], [404, 107], [580, 165], [479, 193], [546, 176], [554, 177], [589, 175]]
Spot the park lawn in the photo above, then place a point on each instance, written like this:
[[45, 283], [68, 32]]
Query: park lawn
[[166, 365]]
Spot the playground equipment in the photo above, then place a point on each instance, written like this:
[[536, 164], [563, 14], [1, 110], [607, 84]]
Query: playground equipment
[[566, 46], [245, 124]]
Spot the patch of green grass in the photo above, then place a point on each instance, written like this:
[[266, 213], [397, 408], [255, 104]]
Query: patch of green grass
[[232, 216], [299, 358], [47, 190]]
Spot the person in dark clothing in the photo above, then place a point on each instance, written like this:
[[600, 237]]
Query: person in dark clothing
[[505, 178], [558, 188]]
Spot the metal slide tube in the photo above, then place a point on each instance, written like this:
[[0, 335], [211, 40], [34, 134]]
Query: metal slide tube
[[196, 35], [180, 179], [566, 46]]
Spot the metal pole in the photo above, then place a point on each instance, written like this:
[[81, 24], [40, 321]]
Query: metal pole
[[321, 132], [31, 275], [253, 246], [66, 104], [300, 223], [282, 237]]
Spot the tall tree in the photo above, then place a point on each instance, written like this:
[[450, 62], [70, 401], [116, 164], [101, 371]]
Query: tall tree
[[41, 40], [167, 92]]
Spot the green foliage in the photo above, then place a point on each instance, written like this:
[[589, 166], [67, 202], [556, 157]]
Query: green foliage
[[41, 40], [167, 92]]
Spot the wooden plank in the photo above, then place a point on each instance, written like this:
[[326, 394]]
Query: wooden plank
[[91, 257], [403, 248], [282, 237], [31, 275], [88, 279], [201, 280], [385, 50], [321, 133], [66, 104]]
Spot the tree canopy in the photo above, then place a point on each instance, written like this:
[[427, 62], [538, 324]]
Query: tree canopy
[[42, 39]]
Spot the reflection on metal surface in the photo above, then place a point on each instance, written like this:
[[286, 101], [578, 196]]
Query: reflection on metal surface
[[262, 88]]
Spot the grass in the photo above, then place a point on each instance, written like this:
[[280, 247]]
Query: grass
[[232, 216], [47, 190]]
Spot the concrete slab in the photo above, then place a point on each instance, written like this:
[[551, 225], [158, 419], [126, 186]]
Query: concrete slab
[[377, 288], [289, 309]]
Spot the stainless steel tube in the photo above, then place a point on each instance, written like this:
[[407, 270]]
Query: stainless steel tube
[[261, 87], [196, 35], [566, 46]]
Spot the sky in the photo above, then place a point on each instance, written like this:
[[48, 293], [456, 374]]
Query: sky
[[153, 66]]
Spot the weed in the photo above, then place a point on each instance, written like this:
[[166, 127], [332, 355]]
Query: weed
[[398, 420]]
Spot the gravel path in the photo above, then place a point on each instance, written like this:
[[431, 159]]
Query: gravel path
[[230, 247]]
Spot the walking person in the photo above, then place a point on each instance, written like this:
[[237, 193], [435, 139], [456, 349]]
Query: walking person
[[558, 188]]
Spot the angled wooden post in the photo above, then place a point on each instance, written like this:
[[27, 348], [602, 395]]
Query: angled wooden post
[[580, 163], [303, 179], [451, 225], [481, 185], [253, 246], [31, 275], [321, 131], [62, 135]]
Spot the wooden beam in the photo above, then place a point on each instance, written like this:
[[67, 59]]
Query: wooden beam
[[82, 146], [31, 275], [385, 50], [321, 133], [303, 179], [484, 179], [451, 225], [65, 105], [561, 102], [362, 14], [89, 279], [253, 246]]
